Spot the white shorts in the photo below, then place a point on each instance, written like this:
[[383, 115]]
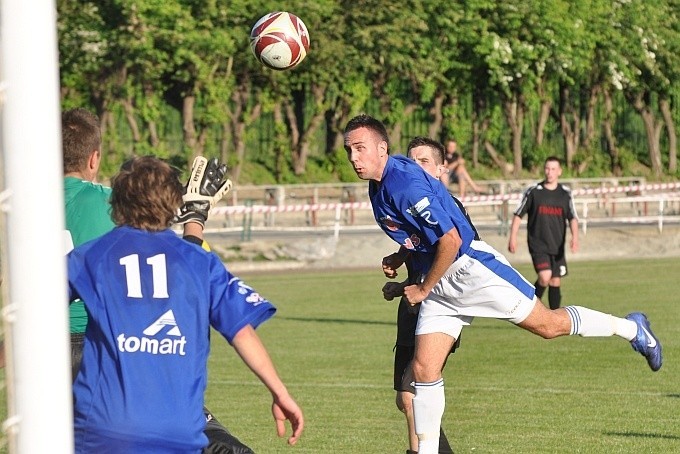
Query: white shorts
[[481, 283]]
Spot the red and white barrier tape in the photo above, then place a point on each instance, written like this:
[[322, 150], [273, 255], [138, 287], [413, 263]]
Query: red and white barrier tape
[[239, 209]]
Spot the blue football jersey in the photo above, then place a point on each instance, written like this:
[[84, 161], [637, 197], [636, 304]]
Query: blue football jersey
[[151, 299], [415, 210]]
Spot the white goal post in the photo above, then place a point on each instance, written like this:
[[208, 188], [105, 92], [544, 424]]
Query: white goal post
[[35, 311]]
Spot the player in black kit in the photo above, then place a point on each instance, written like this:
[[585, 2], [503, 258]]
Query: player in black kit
[[550, 208]]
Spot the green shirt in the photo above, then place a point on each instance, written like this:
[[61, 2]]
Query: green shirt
[[88, 216]]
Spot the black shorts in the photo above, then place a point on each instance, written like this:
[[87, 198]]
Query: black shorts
[[555, 263], [403, 374]]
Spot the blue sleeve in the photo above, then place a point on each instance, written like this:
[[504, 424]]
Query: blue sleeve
[[233, 303], [433, 212]]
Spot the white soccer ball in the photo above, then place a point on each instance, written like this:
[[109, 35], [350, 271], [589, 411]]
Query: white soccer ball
[[279, 40]]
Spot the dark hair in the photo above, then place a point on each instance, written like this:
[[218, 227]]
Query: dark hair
[[368, 122], [146, 194], [80, 136], [553, 159], [437, 148]]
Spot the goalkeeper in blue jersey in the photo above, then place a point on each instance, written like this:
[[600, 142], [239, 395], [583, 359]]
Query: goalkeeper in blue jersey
[[465, 277], [151, 298]]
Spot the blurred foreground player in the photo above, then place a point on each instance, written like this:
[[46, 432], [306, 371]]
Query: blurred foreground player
[[152, 298], [88, 216]]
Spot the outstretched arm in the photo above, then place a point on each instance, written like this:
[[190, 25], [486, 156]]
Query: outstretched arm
[[207, 185], [253, 353]]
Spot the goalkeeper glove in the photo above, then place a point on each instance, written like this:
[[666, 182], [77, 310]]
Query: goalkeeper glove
[[206, 186]]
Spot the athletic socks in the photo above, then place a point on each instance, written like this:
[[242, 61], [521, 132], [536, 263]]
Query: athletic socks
[[555, 297], [444, 445], [539, 290], [589, 323], [428, 409]]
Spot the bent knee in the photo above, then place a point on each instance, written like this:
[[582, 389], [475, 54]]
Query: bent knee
[[426, 371]]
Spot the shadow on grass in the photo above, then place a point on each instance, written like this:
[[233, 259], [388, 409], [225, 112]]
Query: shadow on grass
[[643, 435], [337, 320]]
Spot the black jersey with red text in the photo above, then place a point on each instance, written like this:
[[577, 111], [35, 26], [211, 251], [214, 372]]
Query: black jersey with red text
[[548, 213]]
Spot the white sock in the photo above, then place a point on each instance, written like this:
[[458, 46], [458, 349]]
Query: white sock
[[589, 323], [428, 409]]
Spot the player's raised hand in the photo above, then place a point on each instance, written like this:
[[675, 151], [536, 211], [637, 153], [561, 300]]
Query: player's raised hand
[[285, 408], [206, 186]]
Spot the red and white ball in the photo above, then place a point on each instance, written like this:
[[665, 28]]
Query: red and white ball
[[280, 40]]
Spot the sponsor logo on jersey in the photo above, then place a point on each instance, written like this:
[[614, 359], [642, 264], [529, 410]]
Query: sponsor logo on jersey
[[252, 297], [390, 224], [412, 242], [162, 337], [550, 211], [420, 210]]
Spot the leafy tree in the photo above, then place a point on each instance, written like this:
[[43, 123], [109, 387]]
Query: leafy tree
[[490, 73]]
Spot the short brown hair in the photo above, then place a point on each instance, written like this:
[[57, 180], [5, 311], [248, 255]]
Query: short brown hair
[[80, 136], [553, 159], [370, 123], [436, 147], [146, 194]]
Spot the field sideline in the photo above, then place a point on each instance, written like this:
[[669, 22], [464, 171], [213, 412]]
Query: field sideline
[[507, 391]]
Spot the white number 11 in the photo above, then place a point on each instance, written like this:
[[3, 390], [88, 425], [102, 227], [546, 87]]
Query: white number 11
[[133, 276]]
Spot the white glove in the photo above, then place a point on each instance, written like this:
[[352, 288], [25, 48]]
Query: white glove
[[206, 186]]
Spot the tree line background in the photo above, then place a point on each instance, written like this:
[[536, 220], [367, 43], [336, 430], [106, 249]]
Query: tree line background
[[592, 81]]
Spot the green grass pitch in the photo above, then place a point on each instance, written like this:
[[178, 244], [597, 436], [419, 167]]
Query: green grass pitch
[[507, 390]]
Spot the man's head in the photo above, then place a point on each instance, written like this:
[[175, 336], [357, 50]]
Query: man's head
[[451, 146], [552, 169], [367, 146], [428, 154], [81, 143], [146, 194]]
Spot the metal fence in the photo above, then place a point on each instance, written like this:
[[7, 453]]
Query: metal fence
[[336, 207]]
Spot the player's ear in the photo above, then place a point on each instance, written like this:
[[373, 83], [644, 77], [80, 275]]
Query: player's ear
[[93, 162], [382, 148]]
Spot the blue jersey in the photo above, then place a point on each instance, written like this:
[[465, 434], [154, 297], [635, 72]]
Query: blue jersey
[[415, 210], [151, 299]]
